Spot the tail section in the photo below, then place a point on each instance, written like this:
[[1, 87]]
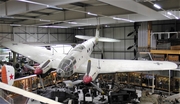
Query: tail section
[[97, 33], [98, 38], [7, 74]]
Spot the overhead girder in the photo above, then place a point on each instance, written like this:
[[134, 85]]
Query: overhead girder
[[16, 7]]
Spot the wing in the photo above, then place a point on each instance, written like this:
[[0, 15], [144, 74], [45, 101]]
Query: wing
[[112, 66], [27, 94], [34, 53]]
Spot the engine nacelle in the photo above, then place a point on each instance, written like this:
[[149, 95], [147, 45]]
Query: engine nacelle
[[45, 66]]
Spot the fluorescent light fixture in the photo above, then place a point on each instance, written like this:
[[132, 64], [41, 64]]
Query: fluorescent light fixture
[[44, 20], [169, 13], [123, 19], [72, 22], [127, 20], [167, 16], [32, 2], [106, 26], [54, 7], [93, 14], [15, 25], [53, 26], [80, 28], [117, 18], [176, 17], [157, 6]]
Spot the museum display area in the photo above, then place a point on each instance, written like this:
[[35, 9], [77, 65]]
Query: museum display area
[[90, 51]]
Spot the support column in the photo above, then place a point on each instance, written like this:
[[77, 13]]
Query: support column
[[149, 34], [14, 58]]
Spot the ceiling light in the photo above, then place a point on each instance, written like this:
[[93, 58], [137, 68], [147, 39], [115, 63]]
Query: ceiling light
[[157, 6], [169, 13], [32, 2], [123, 19], [15, 25], [167, 16], [127, 20], [117, 18], [53, 26], [80, 28], [176, 17], [44, 20], [72, 22], [107, 26], [93, 14], [54, 7]]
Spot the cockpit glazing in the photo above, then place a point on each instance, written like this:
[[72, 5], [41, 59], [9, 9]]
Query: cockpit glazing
[[79, 48], [66, 66]]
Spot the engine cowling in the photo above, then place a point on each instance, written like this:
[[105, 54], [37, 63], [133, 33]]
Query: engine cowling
[[44, 67]]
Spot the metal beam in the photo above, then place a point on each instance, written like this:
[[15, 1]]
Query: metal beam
[[17, 7], [133, 6], [42, 13]]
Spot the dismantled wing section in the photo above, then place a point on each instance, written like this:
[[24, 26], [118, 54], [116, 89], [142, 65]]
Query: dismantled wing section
[[27, 94], [7, 74], [32, 52], [112, 66]]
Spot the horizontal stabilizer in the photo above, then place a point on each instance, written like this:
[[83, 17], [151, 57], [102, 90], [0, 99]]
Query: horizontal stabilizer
[[101, 39], [84, 37]]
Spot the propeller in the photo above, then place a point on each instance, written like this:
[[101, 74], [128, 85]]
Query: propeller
[[88, 79], [136, 27], [37, 71]]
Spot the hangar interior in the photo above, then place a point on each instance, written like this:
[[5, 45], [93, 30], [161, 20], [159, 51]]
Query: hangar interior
[[54, 22]]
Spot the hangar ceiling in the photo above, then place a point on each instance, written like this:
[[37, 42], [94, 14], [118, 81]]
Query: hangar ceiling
[[75, 13]]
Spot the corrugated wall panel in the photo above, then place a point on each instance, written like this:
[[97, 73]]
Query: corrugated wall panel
[[143, 35]]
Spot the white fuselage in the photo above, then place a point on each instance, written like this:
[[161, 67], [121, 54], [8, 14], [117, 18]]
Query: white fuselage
[[76, 57], [84, 54]]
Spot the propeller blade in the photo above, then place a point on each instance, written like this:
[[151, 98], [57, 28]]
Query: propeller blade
[[99, 89], [130, 33], [88, 67], [130, 47], [29, 67], [41, 81]]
